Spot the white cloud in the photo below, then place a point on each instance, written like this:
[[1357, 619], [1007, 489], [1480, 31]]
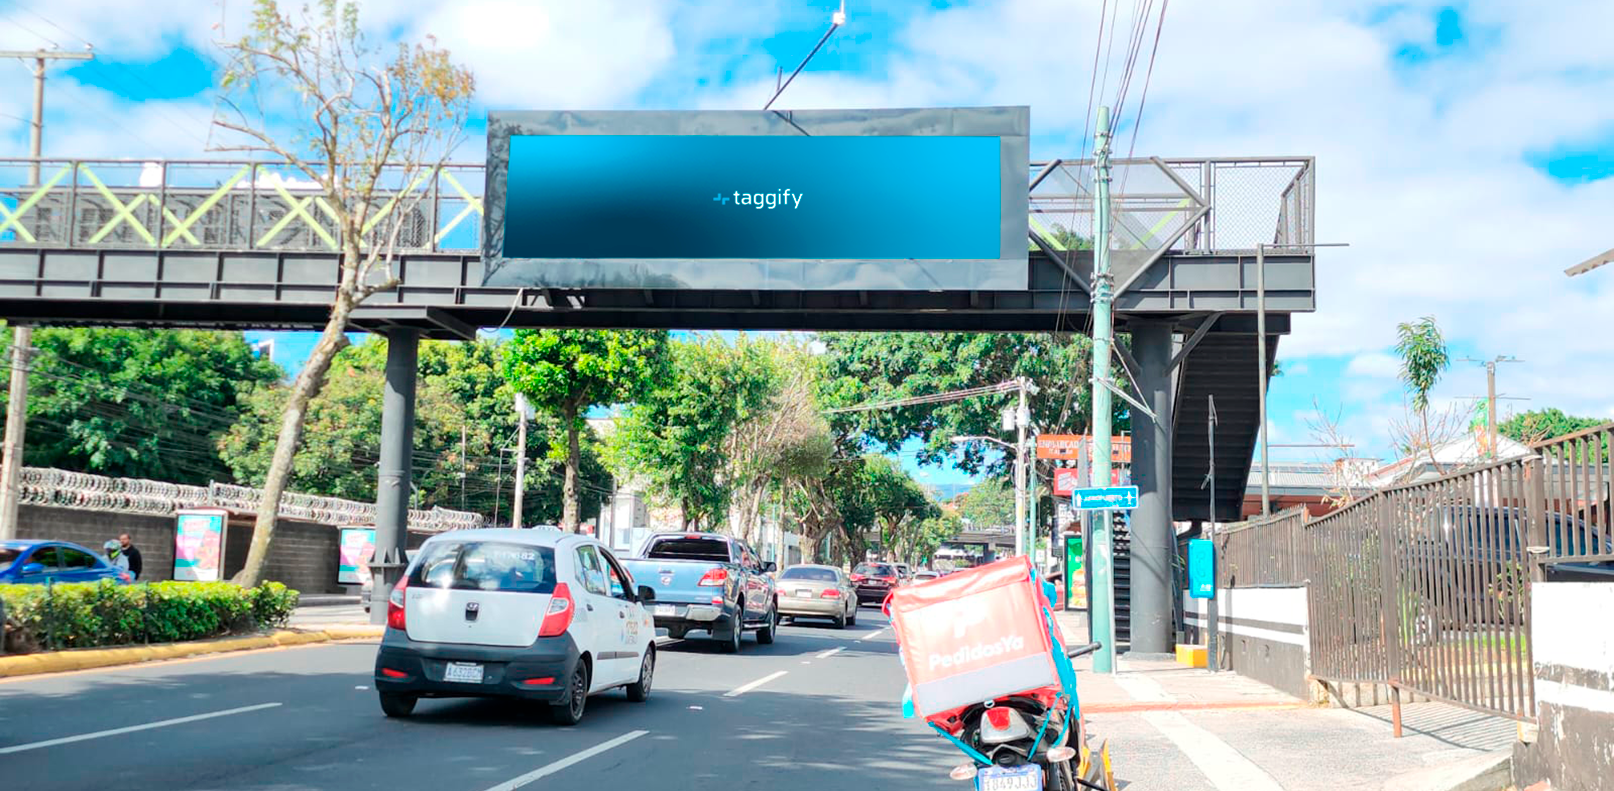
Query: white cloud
[[1375, 365]]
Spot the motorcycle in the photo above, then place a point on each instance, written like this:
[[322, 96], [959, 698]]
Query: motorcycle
[[1033, 740]]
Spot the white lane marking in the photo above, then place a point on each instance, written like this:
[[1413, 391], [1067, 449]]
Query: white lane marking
[[831, 652], [579, 757], [873, 634], [17, 748], [1225, 767], [753, 685]]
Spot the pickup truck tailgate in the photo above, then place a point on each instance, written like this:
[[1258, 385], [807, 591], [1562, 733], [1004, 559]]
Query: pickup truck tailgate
[[676, 581]]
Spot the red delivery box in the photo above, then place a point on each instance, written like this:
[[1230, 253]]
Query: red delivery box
[[973, 636]]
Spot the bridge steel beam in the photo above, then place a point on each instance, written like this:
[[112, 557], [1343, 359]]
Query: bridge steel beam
[[395, 478], [1153, 539]]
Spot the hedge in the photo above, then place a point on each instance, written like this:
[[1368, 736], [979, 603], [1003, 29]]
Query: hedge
[[94, 614]]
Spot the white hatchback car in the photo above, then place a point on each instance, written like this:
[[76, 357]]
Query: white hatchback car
[[536, 614]]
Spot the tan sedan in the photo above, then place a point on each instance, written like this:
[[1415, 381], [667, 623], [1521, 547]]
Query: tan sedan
[[807, 591]]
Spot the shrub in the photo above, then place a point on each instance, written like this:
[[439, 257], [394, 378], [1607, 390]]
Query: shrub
[[84, 615]]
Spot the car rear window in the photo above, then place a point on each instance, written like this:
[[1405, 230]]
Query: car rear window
[[815, 575], [485, 566], [686, 548], [875, 570]]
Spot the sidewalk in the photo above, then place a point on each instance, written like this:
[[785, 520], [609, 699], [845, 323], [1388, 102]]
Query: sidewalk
[[1173, 728]]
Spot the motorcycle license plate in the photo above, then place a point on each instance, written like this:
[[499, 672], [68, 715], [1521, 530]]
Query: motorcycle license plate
[[1009, 778]]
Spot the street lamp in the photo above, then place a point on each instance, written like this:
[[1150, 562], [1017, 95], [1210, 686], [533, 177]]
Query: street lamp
[[1019, 485]]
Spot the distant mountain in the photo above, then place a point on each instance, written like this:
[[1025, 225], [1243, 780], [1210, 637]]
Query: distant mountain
[[947, 491]]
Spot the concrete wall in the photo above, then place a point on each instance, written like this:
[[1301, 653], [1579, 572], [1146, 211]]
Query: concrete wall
[[1572, 645], [304, 554], [1264, 634]]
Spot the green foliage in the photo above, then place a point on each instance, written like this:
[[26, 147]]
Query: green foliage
[[85, 615], [1543, 424], [137, 403], [464, 417], [1424, 358], [872, 367], [564, 372], [989, 503], [675, 435]]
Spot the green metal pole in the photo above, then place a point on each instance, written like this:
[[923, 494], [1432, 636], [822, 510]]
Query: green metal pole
[[1102, 612]]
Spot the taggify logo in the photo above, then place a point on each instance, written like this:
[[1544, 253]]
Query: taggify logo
[[782, 199]]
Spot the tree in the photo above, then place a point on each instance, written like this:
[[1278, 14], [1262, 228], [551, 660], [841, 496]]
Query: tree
[[784, 437], [1538, 425], [863, 368], [678, 435], [1424, 358], [566, 372], [989, 503], [370, 120], [898, 504], [138, 403]]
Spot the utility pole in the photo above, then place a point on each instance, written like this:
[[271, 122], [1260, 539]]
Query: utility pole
[[522, 409], [1263, 371], [1490, 396], [1102, 597], [1021, 417], [1212, 625], [1031, 501], [22, 338]]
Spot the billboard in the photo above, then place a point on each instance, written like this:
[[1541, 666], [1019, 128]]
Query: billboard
[[199, 545], [354, 550], [924, 199]]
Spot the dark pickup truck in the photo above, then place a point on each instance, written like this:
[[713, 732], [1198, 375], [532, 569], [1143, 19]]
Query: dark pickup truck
[[707, 582]]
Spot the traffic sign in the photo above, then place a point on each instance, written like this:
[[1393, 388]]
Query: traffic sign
[[1109, 498]]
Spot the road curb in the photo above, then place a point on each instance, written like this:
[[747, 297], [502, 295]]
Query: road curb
[[89, 658]]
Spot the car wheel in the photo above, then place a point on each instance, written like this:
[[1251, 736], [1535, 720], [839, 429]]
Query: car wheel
[[570, 711], [851, 617], [765, 634], [731, 641], [840, 620], [677, 633], [639, 690], [397, 705]]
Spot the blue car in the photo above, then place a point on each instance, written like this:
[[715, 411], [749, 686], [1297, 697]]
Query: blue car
[[38, 562]]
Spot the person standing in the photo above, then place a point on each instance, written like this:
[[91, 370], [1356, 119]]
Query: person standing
[[114, 555], [131, 552]]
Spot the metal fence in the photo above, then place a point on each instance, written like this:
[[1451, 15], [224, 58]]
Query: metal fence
[[64, 489], [1262, 551], [1425, 586], [227, 205]]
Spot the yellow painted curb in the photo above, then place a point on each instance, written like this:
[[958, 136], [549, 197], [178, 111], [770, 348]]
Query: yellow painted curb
[[85, 659], [355, 632], [1191, 655]]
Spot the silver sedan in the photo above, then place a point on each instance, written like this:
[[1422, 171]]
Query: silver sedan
[[808, 591]]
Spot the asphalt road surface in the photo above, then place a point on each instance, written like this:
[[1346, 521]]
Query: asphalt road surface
[[818, 709]]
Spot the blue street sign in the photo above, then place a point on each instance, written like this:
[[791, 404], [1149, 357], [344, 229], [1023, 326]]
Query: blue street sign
[[1109, 498]]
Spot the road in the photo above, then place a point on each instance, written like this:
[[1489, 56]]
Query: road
[[818, 709]]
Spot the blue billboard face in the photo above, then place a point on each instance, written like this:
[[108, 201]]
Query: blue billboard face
[[756, 196], [865, 200]]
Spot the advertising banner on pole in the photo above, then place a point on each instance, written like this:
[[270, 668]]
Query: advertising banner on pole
[[1075, 574], [199, 545], [354, 550]]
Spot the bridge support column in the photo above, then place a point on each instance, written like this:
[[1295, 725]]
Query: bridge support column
[[1153, 538], [396, 478]]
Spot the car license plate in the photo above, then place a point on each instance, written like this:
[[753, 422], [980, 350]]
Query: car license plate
[[666, 609], [464, 672], [804, 593], [1009, 778]]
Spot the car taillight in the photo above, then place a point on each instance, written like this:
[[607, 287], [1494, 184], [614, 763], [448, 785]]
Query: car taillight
[[559, 616], [830, 593], [714, 577], [858, 577], [395, 605]]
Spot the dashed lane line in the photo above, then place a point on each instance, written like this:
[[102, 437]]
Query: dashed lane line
[[17, 748], [744, 688]]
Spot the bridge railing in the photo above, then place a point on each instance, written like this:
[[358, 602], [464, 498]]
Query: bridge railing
[[226, 205], [1184, 205]]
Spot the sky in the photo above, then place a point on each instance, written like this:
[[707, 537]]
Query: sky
[[1465, 151]]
